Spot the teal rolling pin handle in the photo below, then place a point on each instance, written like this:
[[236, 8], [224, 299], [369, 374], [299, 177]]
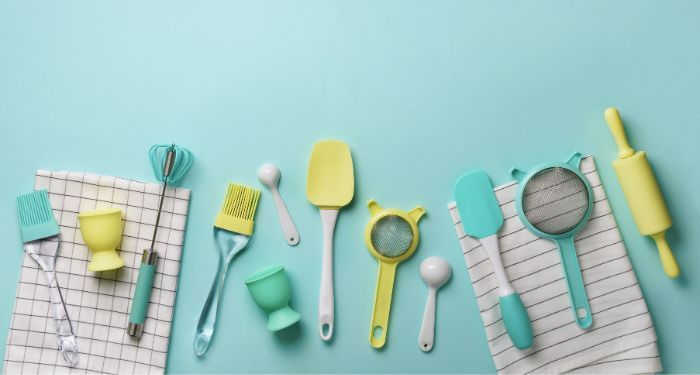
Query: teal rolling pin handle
[[144, 284]]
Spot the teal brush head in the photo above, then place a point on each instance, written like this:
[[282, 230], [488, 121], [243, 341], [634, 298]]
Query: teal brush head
[[36, 219]]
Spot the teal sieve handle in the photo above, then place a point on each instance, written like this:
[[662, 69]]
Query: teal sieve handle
[[516, 320], [574, 280], [144, 284]]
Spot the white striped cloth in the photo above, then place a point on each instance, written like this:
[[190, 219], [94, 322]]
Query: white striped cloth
[[622, 338]]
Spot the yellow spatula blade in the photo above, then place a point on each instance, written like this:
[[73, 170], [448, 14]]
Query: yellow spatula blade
[[330, 183]]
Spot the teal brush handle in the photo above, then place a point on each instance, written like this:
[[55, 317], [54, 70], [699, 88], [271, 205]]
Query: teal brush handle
[[207, 320], [574, 280], [516, 320], [228, 245]]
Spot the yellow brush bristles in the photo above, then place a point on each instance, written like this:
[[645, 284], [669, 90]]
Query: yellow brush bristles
[[238, 210]]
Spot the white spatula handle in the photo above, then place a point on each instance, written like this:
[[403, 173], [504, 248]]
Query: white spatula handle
[[326, 308], [291, 235]]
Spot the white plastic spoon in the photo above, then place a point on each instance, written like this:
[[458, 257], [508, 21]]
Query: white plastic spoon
[[435, 272], [269, 175]]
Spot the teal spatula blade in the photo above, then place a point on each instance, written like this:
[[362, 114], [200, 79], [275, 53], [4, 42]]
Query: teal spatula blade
[[482, 218], [477, 204], [36, 219]]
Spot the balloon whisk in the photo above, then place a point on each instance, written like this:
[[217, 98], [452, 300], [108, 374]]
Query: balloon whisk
[[170, 163]]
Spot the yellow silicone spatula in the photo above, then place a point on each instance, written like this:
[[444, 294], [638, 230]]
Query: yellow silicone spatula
[[330, 185]]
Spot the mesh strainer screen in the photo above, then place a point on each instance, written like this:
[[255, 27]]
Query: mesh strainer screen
[[392, 236], [555, 200]]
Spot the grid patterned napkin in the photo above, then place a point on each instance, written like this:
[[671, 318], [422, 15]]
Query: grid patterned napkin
[[622, 338], [98, 303]]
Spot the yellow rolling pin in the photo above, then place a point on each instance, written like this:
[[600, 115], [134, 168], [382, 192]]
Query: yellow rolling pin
[[642, 192]]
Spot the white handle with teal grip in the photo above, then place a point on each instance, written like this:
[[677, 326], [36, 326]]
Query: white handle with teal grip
[[512, 308], [142, 294]]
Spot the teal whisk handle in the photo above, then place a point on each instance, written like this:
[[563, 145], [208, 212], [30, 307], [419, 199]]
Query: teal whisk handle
[[207, 320], [142, 294]]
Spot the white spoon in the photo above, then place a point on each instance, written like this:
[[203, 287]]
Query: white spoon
[[269, 175], [435, 272]]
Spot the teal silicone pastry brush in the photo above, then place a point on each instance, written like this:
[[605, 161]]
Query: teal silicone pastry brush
[[482, 218], [40, 234]]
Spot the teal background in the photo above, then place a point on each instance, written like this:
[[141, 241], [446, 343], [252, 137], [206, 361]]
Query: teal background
[[421, 90]]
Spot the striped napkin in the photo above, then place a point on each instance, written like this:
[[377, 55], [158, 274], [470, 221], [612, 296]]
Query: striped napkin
[[622, 338]]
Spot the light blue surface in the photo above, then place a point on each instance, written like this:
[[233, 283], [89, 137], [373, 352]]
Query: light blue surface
[[422, 92]]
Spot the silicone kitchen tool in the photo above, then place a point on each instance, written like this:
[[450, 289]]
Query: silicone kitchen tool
[[482, 218], [392, 237], [102, 233], [170, 163], [269, 175], [330, 185], [270, 290], [642, 193], [41, 237], [232, 230], [435, 272], [554, 201]]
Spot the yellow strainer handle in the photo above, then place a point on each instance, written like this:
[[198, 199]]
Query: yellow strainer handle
[[382, 304]]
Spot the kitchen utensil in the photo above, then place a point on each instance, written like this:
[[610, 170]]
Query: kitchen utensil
[[170, 163], [269, 175], [232, 231], [642, 193], [102, 233], [392, 237], [554, 201], [142, 293], [270, 290], [330, 185], [41, 238], [435, 272], [482, 218]]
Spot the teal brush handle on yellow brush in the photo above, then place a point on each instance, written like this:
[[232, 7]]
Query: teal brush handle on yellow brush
[[482, 218], [229, 244], [232, 230]]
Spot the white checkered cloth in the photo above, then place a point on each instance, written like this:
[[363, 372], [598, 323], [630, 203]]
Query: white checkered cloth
[[99, 303]]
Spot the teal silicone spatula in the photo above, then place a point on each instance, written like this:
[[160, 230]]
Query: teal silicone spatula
[[482, 218]]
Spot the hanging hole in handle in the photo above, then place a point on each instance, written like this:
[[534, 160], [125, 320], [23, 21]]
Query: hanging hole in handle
[[326, 331], [581, 313], [377, 332]]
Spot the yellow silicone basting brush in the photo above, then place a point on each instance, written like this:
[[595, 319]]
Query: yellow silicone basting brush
[[232, 230], [642, 192]]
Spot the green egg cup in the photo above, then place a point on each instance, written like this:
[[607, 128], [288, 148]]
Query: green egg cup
[[270, 290]]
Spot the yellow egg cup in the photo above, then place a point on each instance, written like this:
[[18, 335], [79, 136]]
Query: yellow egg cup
[[102, 233]]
